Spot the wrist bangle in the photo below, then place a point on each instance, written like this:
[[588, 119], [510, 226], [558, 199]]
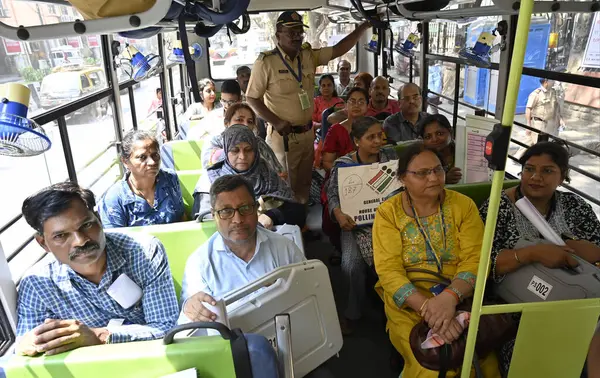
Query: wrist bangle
[[452, 291], [423, 305], [457, 292], [517, 257]]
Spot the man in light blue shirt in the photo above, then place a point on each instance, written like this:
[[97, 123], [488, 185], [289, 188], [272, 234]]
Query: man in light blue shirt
[[239, 253]]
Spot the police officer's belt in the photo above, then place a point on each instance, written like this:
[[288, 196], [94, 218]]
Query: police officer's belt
[[302, 129]]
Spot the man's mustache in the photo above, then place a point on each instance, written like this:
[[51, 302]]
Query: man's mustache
[[87, 248]]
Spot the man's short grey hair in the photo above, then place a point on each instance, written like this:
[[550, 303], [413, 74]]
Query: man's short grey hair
[[343, 61], [228, 183], [407, 85]]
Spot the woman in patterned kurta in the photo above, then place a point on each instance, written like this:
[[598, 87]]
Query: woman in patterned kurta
[[430, 228], [356, 245], [545, 167]]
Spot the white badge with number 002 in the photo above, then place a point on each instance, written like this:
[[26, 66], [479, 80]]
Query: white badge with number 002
[[539, 287], [304, 100]]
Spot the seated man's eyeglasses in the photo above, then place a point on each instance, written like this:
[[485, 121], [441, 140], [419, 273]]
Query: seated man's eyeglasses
[[229, 212], [228, 102], [413, 97]]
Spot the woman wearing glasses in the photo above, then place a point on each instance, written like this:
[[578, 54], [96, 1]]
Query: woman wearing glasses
[[429, 228], [240, 146], [545, 167], [356, 246]]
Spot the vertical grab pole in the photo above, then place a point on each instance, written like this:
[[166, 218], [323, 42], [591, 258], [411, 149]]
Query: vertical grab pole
[[508, 115]]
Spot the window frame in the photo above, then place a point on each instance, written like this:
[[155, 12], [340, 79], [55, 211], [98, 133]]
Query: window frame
[[7, 336], [335, 74]]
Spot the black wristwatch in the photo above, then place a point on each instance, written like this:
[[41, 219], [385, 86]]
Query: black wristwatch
[[568, 236]]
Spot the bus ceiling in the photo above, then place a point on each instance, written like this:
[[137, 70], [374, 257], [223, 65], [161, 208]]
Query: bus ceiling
[[163, 15]]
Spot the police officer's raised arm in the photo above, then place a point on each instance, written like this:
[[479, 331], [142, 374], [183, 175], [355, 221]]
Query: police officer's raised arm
[[257, 87], [349, 41]]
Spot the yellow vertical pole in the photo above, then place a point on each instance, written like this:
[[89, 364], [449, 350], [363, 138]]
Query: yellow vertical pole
[[508, 115]]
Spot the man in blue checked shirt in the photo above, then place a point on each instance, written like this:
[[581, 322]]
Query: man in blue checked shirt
[[98, 288]]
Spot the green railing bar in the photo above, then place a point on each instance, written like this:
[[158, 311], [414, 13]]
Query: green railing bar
[[96, 157], [540, 306], [508, 116]]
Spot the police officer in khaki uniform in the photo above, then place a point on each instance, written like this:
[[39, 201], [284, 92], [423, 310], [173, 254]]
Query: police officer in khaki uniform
[[284, 79], [543, 112]]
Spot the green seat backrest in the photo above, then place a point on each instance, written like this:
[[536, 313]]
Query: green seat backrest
[[479, 191], [187, 154], [211, 356], [187, 181], [180, 241], [554, 338]]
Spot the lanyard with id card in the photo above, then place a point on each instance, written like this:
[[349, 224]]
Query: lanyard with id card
[[437, 288], [302, 95]]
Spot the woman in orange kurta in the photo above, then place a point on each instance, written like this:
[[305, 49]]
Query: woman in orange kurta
[[431, 228]]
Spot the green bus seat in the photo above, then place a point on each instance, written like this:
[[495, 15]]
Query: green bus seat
[[210, 355], [182, 155], [553, 338], [187, 181], [180, 241], [480, 191]]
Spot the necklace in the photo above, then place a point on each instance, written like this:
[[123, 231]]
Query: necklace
[[137, 191]]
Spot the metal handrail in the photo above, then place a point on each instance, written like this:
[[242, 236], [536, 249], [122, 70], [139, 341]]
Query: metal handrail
[[17, 217], [23, 245], [567, 186], [14, 253]]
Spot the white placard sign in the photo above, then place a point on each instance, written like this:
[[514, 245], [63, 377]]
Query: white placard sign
[[591, 57], [471, 141], [364, 187]]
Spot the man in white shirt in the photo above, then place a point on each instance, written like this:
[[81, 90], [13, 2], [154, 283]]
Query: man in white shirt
[[342, 84], [239, 253], [243, 77], [212, 124]]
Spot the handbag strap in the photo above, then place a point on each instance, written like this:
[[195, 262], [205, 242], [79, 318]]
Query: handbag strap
[[440, 279], [445, 357]]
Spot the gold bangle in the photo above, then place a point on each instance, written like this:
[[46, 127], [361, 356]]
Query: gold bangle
[[423, 305], [517, 257]]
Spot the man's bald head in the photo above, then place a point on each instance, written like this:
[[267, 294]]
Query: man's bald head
[[380, 90], [409, 97]]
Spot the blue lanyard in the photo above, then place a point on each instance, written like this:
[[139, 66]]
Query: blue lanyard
[[425, 233], [297, 77]]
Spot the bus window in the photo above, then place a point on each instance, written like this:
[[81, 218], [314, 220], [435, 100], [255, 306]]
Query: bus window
[[226, 57]]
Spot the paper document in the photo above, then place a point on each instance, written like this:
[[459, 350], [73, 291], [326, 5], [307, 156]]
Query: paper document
[[538, 221]]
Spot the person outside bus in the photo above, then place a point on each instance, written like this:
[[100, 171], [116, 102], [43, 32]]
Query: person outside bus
[[543, 112]]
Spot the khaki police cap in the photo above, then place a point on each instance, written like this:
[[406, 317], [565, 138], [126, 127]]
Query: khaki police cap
[[290, 19]]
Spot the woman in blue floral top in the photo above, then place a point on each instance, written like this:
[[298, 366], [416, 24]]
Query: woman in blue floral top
[[147, 194]]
